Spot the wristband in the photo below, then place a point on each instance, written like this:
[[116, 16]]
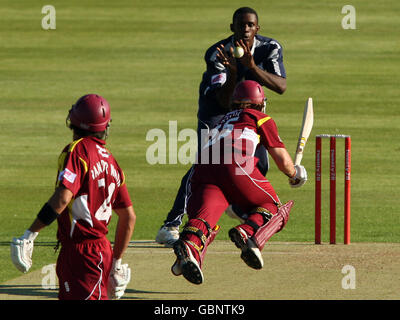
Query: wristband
[[116, 264], [47, 214], [29, 235], [291, 176]]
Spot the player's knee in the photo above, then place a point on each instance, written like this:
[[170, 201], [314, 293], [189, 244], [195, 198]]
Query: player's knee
[[200, 230], [266, 212]]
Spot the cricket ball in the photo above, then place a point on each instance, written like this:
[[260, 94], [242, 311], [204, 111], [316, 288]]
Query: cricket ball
[[238, 52]]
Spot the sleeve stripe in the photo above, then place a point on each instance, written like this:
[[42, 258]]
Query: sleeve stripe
[[84, 164], [274, 56], [123, 178], [262, 121], [73, 145], [61, 160]]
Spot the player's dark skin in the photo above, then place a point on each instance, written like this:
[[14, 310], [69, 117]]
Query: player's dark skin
[[244, 28]]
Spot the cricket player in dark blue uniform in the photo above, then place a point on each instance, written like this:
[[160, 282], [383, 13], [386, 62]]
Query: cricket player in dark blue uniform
[[262, 61]]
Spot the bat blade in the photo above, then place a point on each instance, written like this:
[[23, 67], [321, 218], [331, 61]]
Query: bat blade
[[307, 124]]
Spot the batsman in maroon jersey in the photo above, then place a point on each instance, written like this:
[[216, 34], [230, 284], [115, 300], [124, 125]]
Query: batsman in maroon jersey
[[90, 185], [226, 173]]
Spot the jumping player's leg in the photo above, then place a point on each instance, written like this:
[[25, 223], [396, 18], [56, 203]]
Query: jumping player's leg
[[272, 225], [190, 256], [252, 235], [255, 196], [248, 189], [169, 231], [205, 206], [174, 217], [234, 211]]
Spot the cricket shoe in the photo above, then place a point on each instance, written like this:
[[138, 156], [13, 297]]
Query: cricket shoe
[[176, 268], [167, 236], [186, 264], [251, 254]]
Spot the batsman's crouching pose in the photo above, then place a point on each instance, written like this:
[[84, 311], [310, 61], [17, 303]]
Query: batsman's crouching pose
[[90, 184], [236, 179]]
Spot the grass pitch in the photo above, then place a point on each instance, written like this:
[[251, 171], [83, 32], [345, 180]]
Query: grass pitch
[[292, 271], [146, 58]]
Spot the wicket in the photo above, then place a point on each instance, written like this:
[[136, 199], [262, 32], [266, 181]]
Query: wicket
[[332, 187]]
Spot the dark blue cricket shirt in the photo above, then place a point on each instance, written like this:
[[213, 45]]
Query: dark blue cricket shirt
[[267, 54]]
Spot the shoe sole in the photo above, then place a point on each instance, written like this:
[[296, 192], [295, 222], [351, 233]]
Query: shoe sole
[[176, 270], [190, 270], [247, 255]]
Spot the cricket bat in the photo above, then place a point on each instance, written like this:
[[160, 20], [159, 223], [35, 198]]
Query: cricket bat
[[308, 120]]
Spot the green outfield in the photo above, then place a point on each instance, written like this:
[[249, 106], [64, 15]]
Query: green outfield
[[146, 59]]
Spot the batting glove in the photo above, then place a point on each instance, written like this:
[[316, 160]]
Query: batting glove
[[299, 178], [21, 251], [119, 278]]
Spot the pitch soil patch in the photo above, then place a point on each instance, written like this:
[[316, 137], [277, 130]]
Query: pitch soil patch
[[292, 271]]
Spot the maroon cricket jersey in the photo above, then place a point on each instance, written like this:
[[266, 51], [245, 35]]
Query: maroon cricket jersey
[[238, 135], [235, 178], [97, 182]]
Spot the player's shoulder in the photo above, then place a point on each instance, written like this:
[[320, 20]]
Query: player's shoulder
[[85, 145], [213, 48], [259, 117], [266, 41], [73, 146]]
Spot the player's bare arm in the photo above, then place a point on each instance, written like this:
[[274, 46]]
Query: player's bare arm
[[125, 227], [269, 80], [297, 173], [283, 161], [120, 274], [58, 202], [22, 247]]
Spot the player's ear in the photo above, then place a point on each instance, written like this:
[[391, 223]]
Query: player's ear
[[232, 28]]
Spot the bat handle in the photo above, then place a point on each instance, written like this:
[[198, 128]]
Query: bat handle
[[299, 152], [297, 159]]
